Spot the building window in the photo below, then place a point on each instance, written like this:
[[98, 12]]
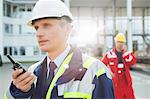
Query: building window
[[11, 28], [22, 9], [36, 50], [10, 50], [15, 51], [8, 28], [22, 50], [8, 11], [28, 7], [20, 29], [4, 9], [7, 50], [15, 10]]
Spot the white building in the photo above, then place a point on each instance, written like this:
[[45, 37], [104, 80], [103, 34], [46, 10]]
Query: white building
[[92, 21], [17, 39]]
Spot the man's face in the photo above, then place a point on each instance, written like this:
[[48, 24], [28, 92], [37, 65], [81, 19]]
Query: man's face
[[51, 34], [119, 45]]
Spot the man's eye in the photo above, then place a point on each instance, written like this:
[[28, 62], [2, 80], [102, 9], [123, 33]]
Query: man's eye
[[36, 27], [47, 26]]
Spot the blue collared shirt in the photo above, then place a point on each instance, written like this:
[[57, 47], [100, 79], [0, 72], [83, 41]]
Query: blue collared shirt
[[58, 60]]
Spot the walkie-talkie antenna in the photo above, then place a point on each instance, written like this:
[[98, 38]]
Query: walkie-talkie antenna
[[16, 65], [11, 59]]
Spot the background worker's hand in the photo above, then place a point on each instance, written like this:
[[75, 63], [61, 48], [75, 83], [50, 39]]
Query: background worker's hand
[[23, 81], [124, 48]]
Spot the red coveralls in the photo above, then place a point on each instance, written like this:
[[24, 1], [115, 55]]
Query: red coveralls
[[121, 73]]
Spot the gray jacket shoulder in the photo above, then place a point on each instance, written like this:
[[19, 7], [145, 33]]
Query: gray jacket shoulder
[[96, 65]]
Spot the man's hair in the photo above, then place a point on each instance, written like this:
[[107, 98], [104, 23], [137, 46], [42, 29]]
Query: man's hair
[[66, 18]]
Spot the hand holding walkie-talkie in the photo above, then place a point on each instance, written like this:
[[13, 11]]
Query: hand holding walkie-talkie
[[16, 65], [21, 79]]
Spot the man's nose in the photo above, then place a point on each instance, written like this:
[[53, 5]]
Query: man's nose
[[40, 32]]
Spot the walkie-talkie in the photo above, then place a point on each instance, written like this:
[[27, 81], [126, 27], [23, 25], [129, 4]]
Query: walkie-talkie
[[16, 65]]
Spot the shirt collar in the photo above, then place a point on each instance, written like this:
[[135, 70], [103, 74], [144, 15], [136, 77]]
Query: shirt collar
[[59, 59]]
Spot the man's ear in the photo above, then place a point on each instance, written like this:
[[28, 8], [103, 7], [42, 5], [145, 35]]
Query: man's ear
[[69, 28]]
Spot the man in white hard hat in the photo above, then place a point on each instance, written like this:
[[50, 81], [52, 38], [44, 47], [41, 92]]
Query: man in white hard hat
[[65, 72], [119, 60]]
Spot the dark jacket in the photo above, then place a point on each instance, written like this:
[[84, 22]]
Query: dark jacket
[[103, 84]]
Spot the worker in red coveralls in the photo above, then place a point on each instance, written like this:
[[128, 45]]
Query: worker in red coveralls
[[119, 60]]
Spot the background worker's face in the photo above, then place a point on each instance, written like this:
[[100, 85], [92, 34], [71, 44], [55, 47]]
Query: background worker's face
[[120, 45], [51, 34]]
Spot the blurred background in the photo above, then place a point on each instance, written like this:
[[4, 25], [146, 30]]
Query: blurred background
[[96, 22]]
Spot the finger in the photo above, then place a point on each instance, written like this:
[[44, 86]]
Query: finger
[[27, 87], [22, 85], [27, 80], [23, 76], [31, 81], [16, 72]]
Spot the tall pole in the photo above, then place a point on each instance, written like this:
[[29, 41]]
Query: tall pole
[[1, 27], [114, 20], [143, 26], [104, 31], [129, 26]]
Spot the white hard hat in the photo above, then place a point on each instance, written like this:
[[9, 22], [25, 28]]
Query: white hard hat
[[49, 8]]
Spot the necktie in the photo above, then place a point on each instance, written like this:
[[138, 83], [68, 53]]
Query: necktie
[[48, 80], [52, 66], [54, 94]]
